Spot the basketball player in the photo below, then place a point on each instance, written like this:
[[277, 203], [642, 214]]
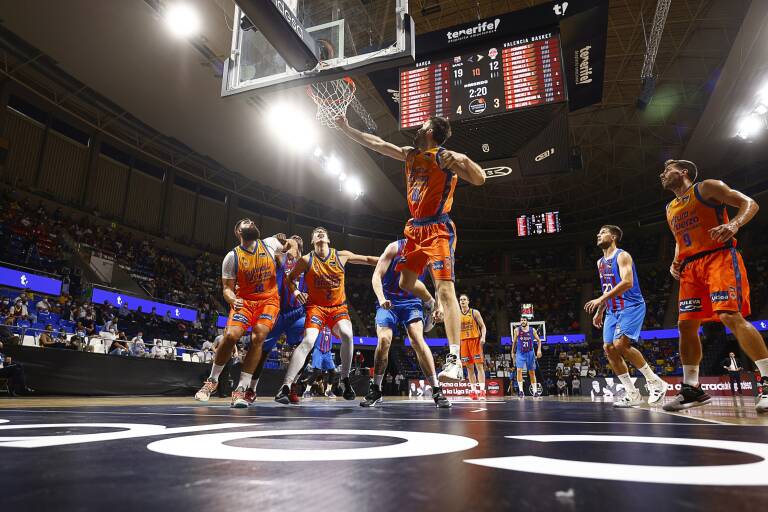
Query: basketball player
[[326, 306], [290, 322], [625, 306], [322, 357], [397, 307], [249, 279], [431, 174], [472, 340], [713, 280], [525, 359]]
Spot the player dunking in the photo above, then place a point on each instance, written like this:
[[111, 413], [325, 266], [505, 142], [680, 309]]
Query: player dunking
[[713, 279], [472, 340], [624, 305], [431, 173], [326, 306], [397, 307], [525, 357], [249, 279]]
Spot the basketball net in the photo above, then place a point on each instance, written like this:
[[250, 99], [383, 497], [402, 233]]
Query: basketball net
[[332, 99]]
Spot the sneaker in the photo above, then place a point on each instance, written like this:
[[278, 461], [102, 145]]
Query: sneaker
[[283, 396], [482, 395], [373, 397], [689, 396], [429, 322], [250, 395], [629, 400], [330, 394], [472, 395], [440, 401], [293, 396], [349, 392], [521, 395], [238, 398], [209, 386], [307, 394], [452, 370], [762, 404], [657, 389]]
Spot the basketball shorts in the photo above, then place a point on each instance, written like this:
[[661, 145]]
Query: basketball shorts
[[525, 361], [290, 323], [712, 284], [322, 361], [325, 316], [255, 312], [432, 242], [471, 351], [402, 313], [626, 322]]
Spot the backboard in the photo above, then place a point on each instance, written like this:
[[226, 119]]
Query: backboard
[[351, 36]]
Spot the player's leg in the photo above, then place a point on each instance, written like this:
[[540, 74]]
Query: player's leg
[[614, 351], [296, 364], [520, 389], [343, 329], [426, 361], [409, 281], [250, 362], [233, 332], [534, 387], [657, 387], [753, 345], [477, 359], [380, 358]]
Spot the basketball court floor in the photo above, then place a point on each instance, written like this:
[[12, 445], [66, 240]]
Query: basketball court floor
[[149, 453]]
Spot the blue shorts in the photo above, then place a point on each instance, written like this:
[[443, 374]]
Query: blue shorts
[[525, 360], [290, 323], [322, 361], [402, 313], [627, 322]]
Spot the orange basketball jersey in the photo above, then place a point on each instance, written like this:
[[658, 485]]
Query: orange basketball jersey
[[469, 327], [256, 273], [325, 280], [691, 217], [429, 187]]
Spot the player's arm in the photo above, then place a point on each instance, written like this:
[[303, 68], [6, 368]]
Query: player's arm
[[674, 268], [466, 168], [357, 259], [229, 279], [378, 273], [301, 266], [538, 342], [372, 142], [514, 340], [627, 281], [715, 191], [479, 319]]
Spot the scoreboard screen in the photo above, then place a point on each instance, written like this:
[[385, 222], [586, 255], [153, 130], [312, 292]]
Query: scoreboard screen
[[538, 224], [510, 75]]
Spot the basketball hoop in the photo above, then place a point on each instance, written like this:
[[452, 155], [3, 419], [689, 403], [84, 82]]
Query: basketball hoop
[[332, 99]]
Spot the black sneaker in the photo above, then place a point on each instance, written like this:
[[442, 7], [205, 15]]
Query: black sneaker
[[284, 395], [349, 392], [688, 397], [439, 398], [373, 397]]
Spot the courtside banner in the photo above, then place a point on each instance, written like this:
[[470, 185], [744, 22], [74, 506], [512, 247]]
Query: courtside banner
[[606, 388], [418, 388], [28, 281]]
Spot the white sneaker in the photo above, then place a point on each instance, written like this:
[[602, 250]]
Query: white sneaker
[[307, 394], [452, 371], [629, 400], [762, 404], [429, 322], [657, 390]]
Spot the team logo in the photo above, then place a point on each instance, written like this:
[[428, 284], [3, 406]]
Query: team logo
[[719, 296], [493, 386], [493, 52], [315, 320], [438, 265], [542, 156], [265, 316], [239, 317], [732, 292], [244, 262], [332, 263], [340, 315], [477, 106], [690, 305]]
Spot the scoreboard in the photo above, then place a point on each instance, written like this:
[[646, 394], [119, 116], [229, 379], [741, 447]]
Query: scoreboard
[[538, 224], [499, 78]]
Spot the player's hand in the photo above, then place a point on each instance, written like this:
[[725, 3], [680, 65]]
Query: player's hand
[[281, 237], [538, 354], [300, 297], [674, 269], [482, 341], [597, 320], [386, 304], [592, 306], [448, 159], [437, 315], [238, 304], [724, 232], [341, 123]]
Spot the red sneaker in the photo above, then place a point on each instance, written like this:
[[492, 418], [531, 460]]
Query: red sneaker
[[250, 396], [294, 397], [238, 399], [473, 395], [482, 394]]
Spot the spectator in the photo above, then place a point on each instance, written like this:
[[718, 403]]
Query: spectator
[[167, 318], [576, 385], [138, 347], [118, 347], [562, 387], [6, 334], [111, 324], [46, 337], [390, 385], [158, 352], [124, 312], [5, 307], [14, 372], [43, 306], [207, 351], [399, 383], [732, 365]]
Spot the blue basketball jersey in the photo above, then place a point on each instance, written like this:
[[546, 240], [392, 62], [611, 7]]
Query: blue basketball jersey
[[324, 341], [391, 279], [524, 340], [287, 301], [610, 277]]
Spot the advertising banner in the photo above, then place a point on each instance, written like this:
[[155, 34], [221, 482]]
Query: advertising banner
[[118, 299], [494, 388], [28, 281]]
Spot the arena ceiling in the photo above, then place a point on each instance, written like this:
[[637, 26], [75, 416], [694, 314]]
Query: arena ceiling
[[115, 49]]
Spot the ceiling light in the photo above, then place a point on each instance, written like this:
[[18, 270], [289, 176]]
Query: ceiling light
[[333, 166], [353, 187], [749, 126], [761, 109], [318, 152], [342, 176], [291, 127], [182, 20]]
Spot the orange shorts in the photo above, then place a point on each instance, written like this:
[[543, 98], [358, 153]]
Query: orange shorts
[[430, 243], [471, 351], [714, 283], [322, 316], [254, 312]]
